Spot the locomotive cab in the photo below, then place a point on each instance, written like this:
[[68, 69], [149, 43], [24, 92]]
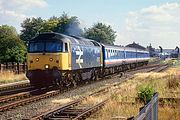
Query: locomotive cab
[[48, 55]]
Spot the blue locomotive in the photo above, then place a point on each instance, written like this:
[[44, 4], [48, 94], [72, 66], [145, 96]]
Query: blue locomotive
[[58, 59]]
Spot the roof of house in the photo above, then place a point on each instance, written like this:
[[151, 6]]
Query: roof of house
[[134, 45]]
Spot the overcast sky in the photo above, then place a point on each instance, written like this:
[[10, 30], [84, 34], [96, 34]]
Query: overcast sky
[[142, 21]]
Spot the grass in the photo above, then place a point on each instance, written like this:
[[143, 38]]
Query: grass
[[122, 104], [176, 62], [9, 77], [165, 83], [153, 59], [62, 101], [168, 113], [172, 62], [116, 110], [92, 100]]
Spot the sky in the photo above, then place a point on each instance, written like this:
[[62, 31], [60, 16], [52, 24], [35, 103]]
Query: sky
[[141, 21]]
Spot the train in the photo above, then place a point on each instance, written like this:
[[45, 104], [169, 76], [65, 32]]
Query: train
[[63, 60]]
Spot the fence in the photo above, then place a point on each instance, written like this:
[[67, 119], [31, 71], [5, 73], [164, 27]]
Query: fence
[[15, 67], [150, 110]]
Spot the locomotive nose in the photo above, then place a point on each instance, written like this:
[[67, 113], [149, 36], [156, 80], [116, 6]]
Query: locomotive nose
[[43, 62]]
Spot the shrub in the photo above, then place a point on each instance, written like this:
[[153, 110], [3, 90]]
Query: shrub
[[145, 93]]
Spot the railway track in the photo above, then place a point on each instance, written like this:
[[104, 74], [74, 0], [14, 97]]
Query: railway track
[[72, 111], [23, 95], [27, 98], [13, 88], [17, 96]]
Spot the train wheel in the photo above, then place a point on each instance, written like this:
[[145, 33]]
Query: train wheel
[[96, 75], [77, 78], [93, 75], [74, 83], [58, 83], [120, 74]]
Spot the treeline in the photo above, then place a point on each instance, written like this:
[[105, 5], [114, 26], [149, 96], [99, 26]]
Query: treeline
[[13, 46]]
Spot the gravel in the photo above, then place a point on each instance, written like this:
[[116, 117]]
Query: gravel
[[39, 107]]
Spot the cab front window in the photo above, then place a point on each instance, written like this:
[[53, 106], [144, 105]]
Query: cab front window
[[54, 46], [36, 47], [46, 46]]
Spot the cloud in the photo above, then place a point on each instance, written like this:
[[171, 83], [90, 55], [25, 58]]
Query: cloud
[[13, 12], [19, 5], [159, 25], [11, 18]]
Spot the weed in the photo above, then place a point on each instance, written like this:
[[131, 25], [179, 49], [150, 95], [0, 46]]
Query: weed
[[145, 93]]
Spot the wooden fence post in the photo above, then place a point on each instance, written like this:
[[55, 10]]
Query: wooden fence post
[[0, 68], [24, 67], [18, 70], [6, 66]]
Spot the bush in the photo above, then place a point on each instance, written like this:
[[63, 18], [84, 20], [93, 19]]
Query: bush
[[145, 93]]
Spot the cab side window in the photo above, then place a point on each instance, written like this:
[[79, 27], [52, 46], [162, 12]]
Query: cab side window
[[66, 47]]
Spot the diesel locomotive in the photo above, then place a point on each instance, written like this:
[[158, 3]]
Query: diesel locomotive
[[61, 60]]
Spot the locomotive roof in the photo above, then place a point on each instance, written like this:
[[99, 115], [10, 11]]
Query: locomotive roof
[[65, 38], [78, 40]]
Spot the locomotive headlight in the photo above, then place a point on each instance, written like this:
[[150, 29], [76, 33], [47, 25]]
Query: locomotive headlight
[[46, 66], [51, 59], [37, 59]]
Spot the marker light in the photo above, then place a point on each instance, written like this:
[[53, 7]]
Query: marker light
[[50, 59], [46, 66], [37, 59]]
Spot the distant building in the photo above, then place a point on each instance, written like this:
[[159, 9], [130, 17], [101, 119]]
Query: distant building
[[167, 53], [152, 51], [135, 45], [162, 53]]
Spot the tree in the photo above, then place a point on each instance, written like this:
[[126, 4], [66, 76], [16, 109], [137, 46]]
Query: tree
[[11, 47], [50, 25], [63, 24], [101, 33], [30, 28]]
